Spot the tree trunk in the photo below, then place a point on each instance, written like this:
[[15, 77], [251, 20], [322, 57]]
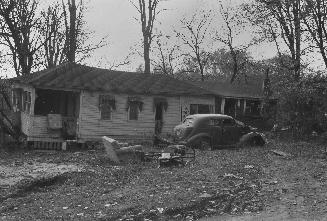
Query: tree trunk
[[147, 67], [72, 32], [297, 26]]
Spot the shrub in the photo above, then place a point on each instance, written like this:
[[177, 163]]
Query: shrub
[[303, 105]]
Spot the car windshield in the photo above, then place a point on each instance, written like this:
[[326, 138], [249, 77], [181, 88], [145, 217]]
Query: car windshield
[[188, 120]]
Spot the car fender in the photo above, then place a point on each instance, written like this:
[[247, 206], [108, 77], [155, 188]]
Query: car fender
[[247, 137], [197, 136]]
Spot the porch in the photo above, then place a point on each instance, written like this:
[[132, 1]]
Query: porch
[[52, 115]]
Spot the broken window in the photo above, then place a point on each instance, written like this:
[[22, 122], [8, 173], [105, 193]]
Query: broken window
[[133, 112], [106, 105], [134, 106], [201, 109], [17, 99], [27, 101], [158, 101]]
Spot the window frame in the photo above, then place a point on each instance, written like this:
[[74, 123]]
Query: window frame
[[27, 101], [105, 113], [107, 105], [137, 112], [196, 108]]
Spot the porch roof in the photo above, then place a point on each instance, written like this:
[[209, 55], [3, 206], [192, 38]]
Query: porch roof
[[253, 89], [81, 77]]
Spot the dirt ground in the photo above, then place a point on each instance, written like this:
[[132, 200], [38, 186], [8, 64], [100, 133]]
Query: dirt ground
[[250, 183]]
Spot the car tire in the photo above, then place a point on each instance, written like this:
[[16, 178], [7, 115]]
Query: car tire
[[205, 144], [257, 141]]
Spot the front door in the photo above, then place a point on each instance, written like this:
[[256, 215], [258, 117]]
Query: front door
[[158, 118]]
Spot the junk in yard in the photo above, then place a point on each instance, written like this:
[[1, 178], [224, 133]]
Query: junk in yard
[[118, 152], [172, 155]]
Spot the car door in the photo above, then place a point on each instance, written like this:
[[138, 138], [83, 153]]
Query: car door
[[230, 131], [216, 131]]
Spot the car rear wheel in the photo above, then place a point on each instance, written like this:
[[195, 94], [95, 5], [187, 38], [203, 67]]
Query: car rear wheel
[[205, 144]]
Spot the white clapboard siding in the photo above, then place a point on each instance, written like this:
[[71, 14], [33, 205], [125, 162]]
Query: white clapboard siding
[[91, 126], [26, 122], [39, 128]]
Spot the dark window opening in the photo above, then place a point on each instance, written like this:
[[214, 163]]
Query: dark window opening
[[253, 108], [106, 113], [230, 107], [106, 104], [27, 101], [65, 103], [133, 111], [201, 109], [17, 99], [158, 118]]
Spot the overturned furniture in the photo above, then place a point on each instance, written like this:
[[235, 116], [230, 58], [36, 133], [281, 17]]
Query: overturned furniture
[[118, 152]]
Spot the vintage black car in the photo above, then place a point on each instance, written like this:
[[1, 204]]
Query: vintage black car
[[209, 131]]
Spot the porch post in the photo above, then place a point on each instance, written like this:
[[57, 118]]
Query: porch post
[[33, 98], [244, 107], [222, 107]]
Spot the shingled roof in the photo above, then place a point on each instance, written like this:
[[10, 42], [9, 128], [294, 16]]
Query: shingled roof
[[253, 89], [77, 76]]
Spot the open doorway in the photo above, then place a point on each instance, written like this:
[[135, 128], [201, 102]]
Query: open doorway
[[158, 118], [160, 105], [230, 107]]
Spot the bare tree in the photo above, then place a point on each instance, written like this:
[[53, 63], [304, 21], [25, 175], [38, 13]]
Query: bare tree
[[72, 28], [227, 34], [52, 31], [314, 19], [193, 35], [281, 19], [65, 34], [18, 25], [148, 11], [167, 55]]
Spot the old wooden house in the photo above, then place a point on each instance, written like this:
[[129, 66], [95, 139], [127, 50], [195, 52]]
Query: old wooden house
[[77, 102]]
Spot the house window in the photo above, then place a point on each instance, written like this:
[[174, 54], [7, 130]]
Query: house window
[[106, 113], [106, 105], [201, 109], [27, 101], [133, 111], [134, 106], [17, 99], [253, 108]]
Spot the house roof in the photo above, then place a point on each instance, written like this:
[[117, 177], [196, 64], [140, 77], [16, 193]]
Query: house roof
[[77, 76], [253, 89]]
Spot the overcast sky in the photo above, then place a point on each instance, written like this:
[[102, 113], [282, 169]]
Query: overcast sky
[[116, 18]]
